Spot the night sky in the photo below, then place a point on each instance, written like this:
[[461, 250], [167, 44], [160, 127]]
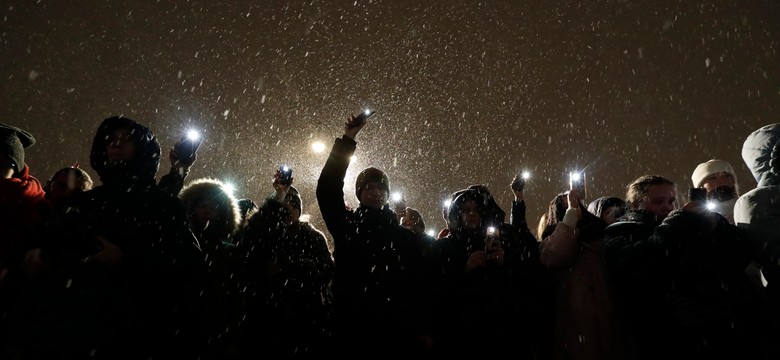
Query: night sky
[[466, 92]]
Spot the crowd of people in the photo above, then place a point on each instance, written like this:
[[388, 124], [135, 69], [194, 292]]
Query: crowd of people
[[136, 268]]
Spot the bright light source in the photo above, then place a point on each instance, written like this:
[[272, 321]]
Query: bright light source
[[447, 203], [526, 175], [193, 135], [318, 147], [429, 232], [711, 205], [397, 196], [491, 230], [367, 112], [229, 188], [353, 159], [574, 176], [285, 168]]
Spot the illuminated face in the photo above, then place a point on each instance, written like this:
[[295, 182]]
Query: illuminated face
[[660, 200], [374, 195], [469, 215], [121, 146], [713, 181], [64, 185]]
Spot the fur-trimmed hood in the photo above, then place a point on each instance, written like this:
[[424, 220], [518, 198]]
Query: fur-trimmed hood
[[229, 213]]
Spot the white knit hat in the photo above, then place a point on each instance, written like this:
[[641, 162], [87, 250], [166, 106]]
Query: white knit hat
[[708, 168]]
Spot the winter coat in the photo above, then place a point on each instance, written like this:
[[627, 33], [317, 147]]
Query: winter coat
[[379, 270], [716, 311], [586, 322], [758, 211], [633, 263], [291, 272], [147, 303], [482, 311]]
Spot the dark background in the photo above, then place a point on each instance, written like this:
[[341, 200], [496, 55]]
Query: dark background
[[466, 92]]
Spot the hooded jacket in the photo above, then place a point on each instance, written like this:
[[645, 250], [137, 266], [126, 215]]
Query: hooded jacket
[[758, 211], [484, 306], [162, 269]]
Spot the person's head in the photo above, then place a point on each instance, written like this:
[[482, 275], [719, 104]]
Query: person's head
[[473, 208], [124, 150], [652, 193], [294, 204], [716, 176], [608, 208], [413, 221], [13, 141], [65, 183], [555, 212], [761, 153], [209, 205], [372, 188]]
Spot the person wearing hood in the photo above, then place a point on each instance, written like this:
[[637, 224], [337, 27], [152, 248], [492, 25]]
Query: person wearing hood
[[379, 267], [719, 179], [608, 208], [213, 214], [487, 282], [133, 247], [758, 212]]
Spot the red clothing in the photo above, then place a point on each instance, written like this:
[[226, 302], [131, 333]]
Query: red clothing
[[22, 207]]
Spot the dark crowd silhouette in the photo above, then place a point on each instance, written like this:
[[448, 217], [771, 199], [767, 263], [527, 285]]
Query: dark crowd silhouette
[[129, 267]]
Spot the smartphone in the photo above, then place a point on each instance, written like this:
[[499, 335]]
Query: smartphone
[[187, 146], [697, 195], [577, 181], [286, 175], [363, 116], [491, 241]]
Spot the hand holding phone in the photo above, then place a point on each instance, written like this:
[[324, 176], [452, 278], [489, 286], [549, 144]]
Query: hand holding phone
[[577, 181], [362, 117], [698, 195], [285, 175], [187, 146]]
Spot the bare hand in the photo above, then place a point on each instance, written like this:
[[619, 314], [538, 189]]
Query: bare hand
[[517, 185], [351, 129], [476, 260], [281, 189]]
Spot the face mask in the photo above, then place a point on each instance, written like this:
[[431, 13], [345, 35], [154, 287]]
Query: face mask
[[726, 208]]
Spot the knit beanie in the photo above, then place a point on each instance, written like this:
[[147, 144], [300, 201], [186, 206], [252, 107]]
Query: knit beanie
[[708, 168], [371, 174], [294, 198], [13, 141]]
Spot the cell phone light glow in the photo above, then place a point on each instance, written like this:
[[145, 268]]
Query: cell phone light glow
[[526, 175], [447, 203], [711, 205], [285, 168], [574, 176], [491, 230], [397, 196], [193, 135], [367, 111], [229, 188]]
